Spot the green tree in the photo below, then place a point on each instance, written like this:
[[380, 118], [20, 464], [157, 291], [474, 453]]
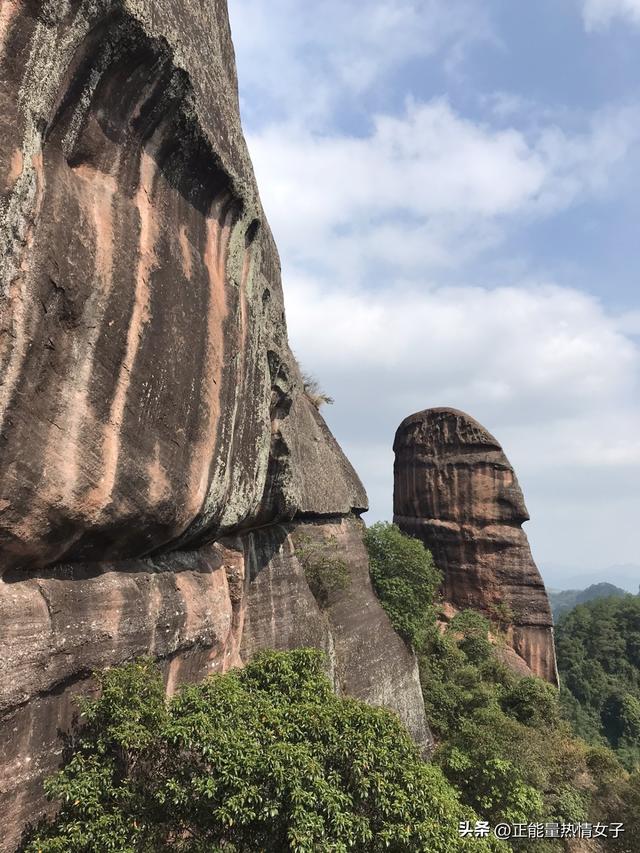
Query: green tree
[[324, 569], [532, 701], [404, 578], [261, 759]]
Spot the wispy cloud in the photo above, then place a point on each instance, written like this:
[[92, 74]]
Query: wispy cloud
[[306, 59], [599, 14], [548, 369], [429, 187], [527, 355], [392, 215]]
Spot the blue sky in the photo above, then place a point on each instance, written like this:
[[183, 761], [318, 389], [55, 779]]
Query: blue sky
[[454, 186]]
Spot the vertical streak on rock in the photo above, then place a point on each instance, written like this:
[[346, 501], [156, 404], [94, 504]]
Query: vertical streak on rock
[[218, 230], [101, 495], [185, 250], [154, 607], [97, 191], [159, 485], [21, 302], [223, 478], [17, 165], [8, 10], [244, 279]]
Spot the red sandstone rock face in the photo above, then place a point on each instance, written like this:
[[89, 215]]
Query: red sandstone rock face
[[154, 432], [141, 304], [455, 490], [73, 619]]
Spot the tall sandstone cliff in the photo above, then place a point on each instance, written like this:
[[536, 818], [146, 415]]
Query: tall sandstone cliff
[[455, 489], [159, 458]]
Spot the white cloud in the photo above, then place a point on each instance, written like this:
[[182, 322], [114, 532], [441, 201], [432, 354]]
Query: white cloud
[[389, 225], [304, 58], [427, 187], [524, 354], [598, 14], [427, 161], [546, 368], [372, 227], [630, 322]]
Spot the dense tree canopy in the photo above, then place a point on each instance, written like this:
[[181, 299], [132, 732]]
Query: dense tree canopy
[[263, 759], [405, 579], [562, 602], [598, 647]]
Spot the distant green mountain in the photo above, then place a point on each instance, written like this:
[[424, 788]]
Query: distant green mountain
[[561, 602]]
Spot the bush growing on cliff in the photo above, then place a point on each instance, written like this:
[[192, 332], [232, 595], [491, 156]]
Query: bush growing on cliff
[[314, 392], [404, 578], [502, 741], [324, 569], [263, 759]]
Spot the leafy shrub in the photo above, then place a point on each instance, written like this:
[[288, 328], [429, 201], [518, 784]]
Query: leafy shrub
[[325, 571], [502, 615], [494, 784], [502, 741], [533, 702], [262, 759], [474, 630], [404, 578]]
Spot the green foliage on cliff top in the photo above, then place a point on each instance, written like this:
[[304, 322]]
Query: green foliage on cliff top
[[598, 645], [262, 759], [404, 578], [502, 740]]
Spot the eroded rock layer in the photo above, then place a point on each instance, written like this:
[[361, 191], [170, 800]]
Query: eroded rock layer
[[197, 612], [455, 489], [157, 449]]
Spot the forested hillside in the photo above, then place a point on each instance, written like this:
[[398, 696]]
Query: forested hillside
[[502, 740], [598, 647], [562, 602]]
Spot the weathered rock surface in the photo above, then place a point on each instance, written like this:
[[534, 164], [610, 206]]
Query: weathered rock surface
[[157, 450], [142, 330], [71, 619], [455, 489]]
